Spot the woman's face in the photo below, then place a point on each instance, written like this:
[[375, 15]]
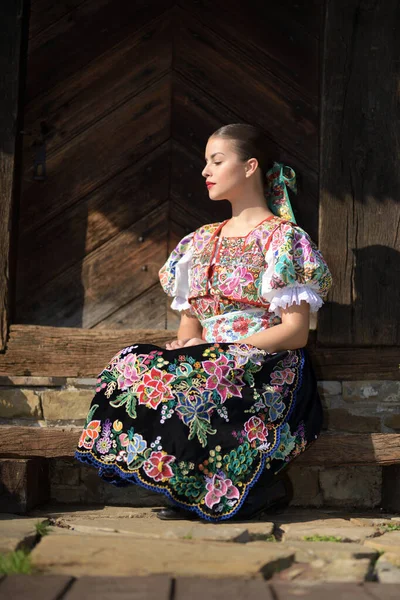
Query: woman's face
[[223, 169]]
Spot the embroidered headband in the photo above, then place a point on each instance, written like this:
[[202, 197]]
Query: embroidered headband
[[279, 178]]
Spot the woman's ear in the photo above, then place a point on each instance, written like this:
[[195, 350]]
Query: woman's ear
[[251, 166]]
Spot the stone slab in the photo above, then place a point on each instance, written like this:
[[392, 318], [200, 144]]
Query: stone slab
[[306, 552], [156, 529], [28, 381], [352, 486], [306, 489], [378, 522], [386, 571], [339, 528], [16, 403], [66, 405], [388, 542], [124, 555], [68, 512], [16, 532], [336, 571], [373, 391]]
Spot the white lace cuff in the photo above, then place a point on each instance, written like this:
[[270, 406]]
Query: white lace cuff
[[181, 287], [289, 295], [180, 304]]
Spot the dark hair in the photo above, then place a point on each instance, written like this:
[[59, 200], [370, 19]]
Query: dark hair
[[249, 142]]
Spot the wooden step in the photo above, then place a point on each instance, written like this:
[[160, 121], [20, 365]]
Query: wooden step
[[330, 449]]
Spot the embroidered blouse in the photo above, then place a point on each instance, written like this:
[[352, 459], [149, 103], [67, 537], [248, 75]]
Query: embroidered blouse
[[236, 286]]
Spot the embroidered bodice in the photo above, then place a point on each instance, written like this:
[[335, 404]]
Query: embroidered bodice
[[236, 286]]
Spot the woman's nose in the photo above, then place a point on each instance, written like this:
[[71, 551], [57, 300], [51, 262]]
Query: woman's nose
[[205, 172]]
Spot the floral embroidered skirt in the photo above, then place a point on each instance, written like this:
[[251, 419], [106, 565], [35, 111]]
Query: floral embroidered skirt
[[200, 424]]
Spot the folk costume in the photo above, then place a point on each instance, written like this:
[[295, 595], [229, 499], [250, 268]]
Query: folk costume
[[204, 424]]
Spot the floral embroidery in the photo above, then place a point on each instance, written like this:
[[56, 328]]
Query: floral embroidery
[[222, 377], [287, 443], [255, 429], [246, 270], [134, 447], [219, 488], [158, 466], [155, 388]]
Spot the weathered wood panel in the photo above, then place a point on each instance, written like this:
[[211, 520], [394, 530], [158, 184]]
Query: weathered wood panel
[[101, 215], [44, 13], [154, 587], [94, 156], [216, 66], [329, 450], [106, 279], [11, 22], [149, 308], [108, 83], [99, 87], [69, 352], [237, 588], [34, 587], [92, 29], [261, 31], [360, 178]]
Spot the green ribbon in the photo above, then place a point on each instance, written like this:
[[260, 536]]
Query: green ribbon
[[279, 178]]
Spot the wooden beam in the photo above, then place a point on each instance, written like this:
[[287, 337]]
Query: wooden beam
[[330, 449], [70, 352], [359, 174], [11, 19]]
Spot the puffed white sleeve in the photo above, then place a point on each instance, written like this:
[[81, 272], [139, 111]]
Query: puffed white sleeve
[[295, 270], [174, 274]]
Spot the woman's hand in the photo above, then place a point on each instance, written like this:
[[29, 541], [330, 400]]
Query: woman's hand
[[175, 344], [194, 342]]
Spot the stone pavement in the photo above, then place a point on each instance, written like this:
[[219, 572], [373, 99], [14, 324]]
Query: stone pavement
[[295, 545]]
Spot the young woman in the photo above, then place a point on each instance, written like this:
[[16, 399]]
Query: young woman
[[212, 419]]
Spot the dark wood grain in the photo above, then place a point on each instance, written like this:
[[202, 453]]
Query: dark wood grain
[[216, 66], [156, 587], [150, 308], [360, 179], [197, 588], [269, 35], [79, 37], [379, 591], [11, 23], [44, 13], [327, 591], [106, 279], [24, 484], [81, 99], [329, 450], [96, 155], [34, 587], [70, 352], [101, 215]]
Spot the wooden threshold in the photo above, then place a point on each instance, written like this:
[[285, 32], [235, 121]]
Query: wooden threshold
[[330, 449], [70, 352]]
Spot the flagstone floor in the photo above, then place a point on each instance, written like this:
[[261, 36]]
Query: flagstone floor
[[292, 550]]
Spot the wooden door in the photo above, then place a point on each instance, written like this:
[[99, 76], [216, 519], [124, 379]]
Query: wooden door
[[121, 98]]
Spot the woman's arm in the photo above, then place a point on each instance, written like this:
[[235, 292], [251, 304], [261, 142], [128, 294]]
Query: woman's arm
[[189, 329], [291, 334]]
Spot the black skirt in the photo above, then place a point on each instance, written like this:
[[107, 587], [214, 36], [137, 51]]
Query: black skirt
[[201, 424]]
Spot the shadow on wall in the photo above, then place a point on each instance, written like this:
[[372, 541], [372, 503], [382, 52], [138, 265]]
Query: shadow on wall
[[371, 319]]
